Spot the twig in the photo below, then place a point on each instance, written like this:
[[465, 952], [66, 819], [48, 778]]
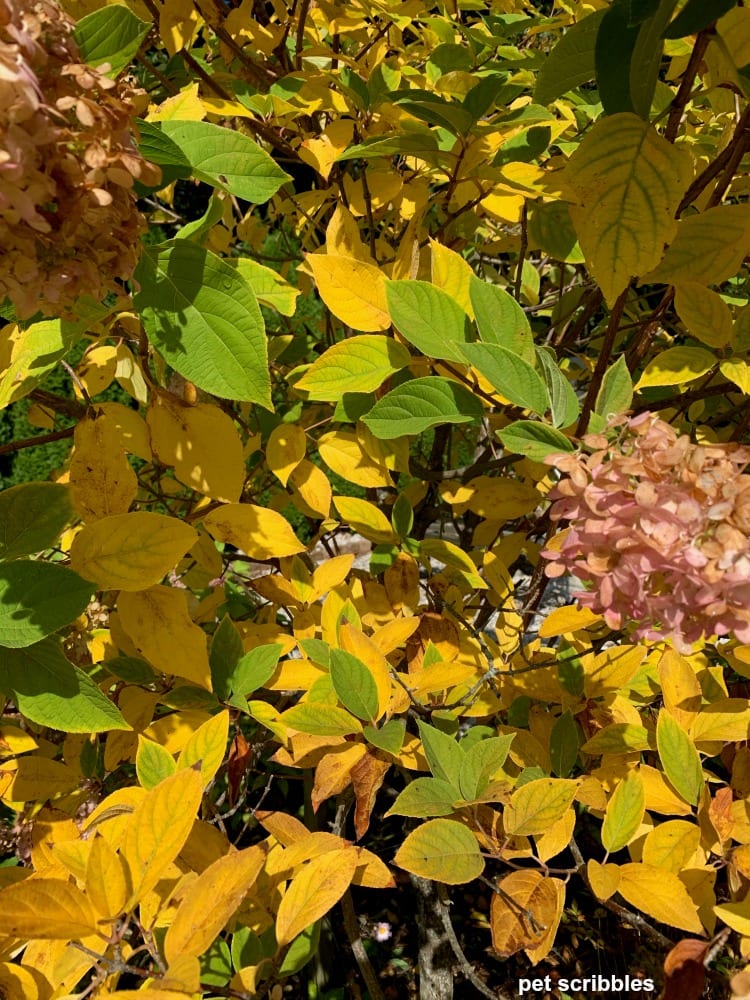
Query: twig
[[602, 361], [463, 962], [8, 449], [351, 926], [521, 254], [304, 8], [686, 84]]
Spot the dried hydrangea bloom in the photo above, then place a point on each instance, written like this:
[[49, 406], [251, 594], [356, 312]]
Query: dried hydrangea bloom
[[69, 225], [658, 532]]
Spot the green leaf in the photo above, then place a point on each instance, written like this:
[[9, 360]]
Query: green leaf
[[420, 404], [32, 518], [708, 247], [402, 516], [301, 950], [697, 15], [500, 319], [570, 671], [130, 669], [226, 159], [564, 742], [428, 318], [443, 754], [357, 364], [513, 377], [534, 440], [679, 758], [255, 668], [37, 350], [425, 797], [616, 391], [226, 651], [153, 763], [317, 651], [38, 598], [390, 736], [442, 850], [199, 228], [624, 813], [647, 56], [564, 404], [480, 762], [111, 35], [158, 148], [551, 229], [421, 143], [534, 807], [50, 691], [204, 320], [571, 61], [615, 42], [435, 110], [354, 685], [321, 720]]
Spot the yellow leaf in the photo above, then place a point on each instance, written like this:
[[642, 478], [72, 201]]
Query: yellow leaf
[[312, 488], [357, 364], [333, 773], [611, 669], [101, 479], [671, 845], [737, 371], [709, 247], [286, 448], [211, 900], [200, 443], [353, 290], [536, 805], [523, 893], [130, 551], [107, 882], [52, 909], [131, 428], [736, 916], [705, 314], [660, 797], [178, 21], [207, 745], [676, 366], [158, 623], [321, 153], [568, 619], [185, 106], [626, 182], [680, 688], [726, 720], [17, 982], [661, 895], [343, 237], [555, 839], [343, 454], [501, 498], [96, 370], [454, 557], [312, 893], [14, 741], [365, 518], [552, 911], [451, 273], [603, 879], [37, 778], [330, 574], [158, 829], [261, 533]]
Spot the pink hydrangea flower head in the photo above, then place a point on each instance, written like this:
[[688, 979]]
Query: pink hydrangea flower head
[[658, 531]]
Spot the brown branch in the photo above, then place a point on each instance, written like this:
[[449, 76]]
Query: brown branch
[[351, 926], [299, 41], [716, 166], [463, 962], [67, 407], [602, 361], [8, 449], [686, 84], [521, 254]]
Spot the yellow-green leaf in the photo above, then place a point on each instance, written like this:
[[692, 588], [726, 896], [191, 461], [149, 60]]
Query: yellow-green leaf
[[442, 850], [705, 314], [624, 812], [261, 533], [353, 290], [671, 845], [737, 371], [677, 365], [359, 364], [708, 248], [312, 893], [107, 879], [130, 551], [626, 182], [207, 745], [366, 518], [680, 759], [538, 804], [153, 763], [320, 720], [661, 895]]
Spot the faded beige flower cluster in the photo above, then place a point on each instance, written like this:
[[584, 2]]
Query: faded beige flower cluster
[[69, 225], [658, 531]]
